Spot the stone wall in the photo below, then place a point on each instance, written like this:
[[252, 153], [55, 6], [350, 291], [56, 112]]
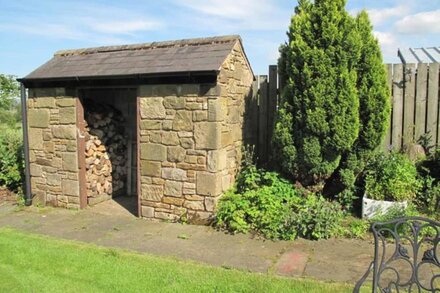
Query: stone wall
[[53, 147], [190, 142]]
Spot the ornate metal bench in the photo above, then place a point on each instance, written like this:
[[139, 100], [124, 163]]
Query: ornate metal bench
[[411, 263]]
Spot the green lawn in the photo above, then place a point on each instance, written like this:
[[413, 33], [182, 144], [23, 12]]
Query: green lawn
[[32, 263]]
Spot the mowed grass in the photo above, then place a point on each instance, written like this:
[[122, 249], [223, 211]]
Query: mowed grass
[[33, 263]]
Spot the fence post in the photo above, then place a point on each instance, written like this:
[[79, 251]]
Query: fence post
[[262, 119], [397, 116], [432, 124], [387, 139], [272, 102], [421, 86], [408, 103]]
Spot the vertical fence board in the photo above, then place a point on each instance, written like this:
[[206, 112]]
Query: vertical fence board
[[262, 119], [396, 132], [409, 103], [420, 113], [387, 139], [272, 101], [252, 116], [432, 103]]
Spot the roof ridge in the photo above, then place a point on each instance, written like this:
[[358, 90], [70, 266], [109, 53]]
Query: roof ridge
[[152, 45]]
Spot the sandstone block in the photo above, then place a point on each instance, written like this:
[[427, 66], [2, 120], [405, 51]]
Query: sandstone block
[[187, 142], [226, 182], [175, 103], [44, 102], [150, 125], [152, 108], [151, 192], [167, 125], [194, 205], [64, 132], [150, 168], [173, 188], [70, 162], [176, 154], [194, 197], [36, 170], [38, 118], [207, 135], [216, 110], [147, 212], [66, 102], [234, 114], [183, 121], [70, 187], [173, 200], [68, 115], [211, 203], [35, 139], [174, 174], [54, 180], [217, 160], [200, 217], [209, 184], [226, 138], [200, 115], [153, 152], [166, 216], [170, 138]]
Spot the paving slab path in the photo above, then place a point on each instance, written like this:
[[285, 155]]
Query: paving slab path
[[110, 225]]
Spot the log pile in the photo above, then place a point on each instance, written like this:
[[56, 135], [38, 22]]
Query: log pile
[[105, 151]]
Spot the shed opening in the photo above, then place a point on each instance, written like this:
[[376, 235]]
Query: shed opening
[[110, 146]]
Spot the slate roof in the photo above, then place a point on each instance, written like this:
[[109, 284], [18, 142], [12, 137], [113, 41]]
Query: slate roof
[[171, 57], [420, 55]]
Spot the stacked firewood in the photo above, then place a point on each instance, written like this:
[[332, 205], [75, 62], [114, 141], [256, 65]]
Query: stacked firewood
[[105, 150]]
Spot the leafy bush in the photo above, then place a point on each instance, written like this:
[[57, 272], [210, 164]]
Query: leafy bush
[[11, 159], [391, 177], [428, 198], [265, 209], [355, 228], [317, 218], [269, 205]]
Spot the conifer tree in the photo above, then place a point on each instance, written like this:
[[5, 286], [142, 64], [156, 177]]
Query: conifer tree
[[374, 110], [318, 120], [335, 106]]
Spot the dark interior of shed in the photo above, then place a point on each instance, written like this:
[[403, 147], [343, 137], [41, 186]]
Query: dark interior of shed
[[110, 146]]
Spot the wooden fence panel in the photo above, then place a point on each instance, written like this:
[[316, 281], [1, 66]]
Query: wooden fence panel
[[262, 119], [420, 113], [414, 100], [387, 139], [272, 100], [397, 105], [432, 122], [409, 77]]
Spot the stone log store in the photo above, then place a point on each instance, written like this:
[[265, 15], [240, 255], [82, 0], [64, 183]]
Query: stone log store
[[161, 124]]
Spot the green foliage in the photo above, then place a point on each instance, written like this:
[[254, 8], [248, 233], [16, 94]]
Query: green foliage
[[268, 204], [391, 177], [265, 209], [9, 91], [335, 107], [9, 106], [316, 218], [355, 228], [428, 198], [319, 117], [399, 212], [11, 159]]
